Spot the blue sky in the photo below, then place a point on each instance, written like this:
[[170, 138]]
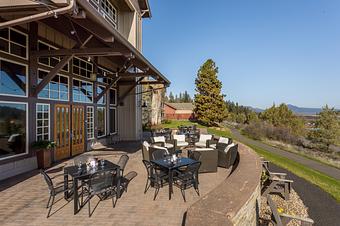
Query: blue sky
[[267, 50]]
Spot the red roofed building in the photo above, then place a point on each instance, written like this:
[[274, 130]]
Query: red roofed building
[[179, 111]]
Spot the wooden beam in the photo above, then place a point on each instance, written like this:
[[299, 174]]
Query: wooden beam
[[78, 52], [132, 75], [57, 68], [142, 82], [100, 95], [129, 90]]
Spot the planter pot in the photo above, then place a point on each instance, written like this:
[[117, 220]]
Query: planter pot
[[44, 158]]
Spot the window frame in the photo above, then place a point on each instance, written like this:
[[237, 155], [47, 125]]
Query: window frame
[[105, 132], [79, 67], [76, 101], [27, 80], [36, 120], [116, 117], [107, 17], [87, 123], [10, 41], [68, 87], [116, 97], [48, 65], [27, 137]]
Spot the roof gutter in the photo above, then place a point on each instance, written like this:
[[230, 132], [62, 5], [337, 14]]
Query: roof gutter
[[39, 16], [84, 4]]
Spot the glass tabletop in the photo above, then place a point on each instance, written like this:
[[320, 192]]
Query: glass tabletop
[[166, 163], [74, 171]]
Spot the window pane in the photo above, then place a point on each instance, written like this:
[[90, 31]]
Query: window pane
[[112, 120], [12, 78], [113, 94], [4, 33], [18, 38], [12, 129], [4, 45], [18, 50], [101, 121]]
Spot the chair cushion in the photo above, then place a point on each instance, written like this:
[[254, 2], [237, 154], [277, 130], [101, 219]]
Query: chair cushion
[[228, 147], [167, 145], [201, 144], [223, 140], [205, 137], [213, 146], [179, 138], [146, 145], [182, 143], [204, 149], [159, 139]]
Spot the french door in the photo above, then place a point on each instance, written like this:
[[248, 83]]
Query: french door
[[77, 130], [68, 131]]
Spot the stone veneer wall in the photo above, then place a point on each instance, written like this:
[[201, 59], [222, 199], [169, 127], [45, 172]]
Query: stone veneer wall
[[236, 200]]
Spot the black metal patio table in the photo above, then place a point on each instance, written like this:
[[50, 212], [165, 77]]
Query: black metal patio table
[[166, 164], [83, 174]]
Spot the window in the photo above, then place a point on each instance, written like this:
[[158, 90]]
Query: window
[[90, 122], [43, 121], [13, 78], [13, 42], [109, 12], [13, 129], [113, 97], [113, 120], [50, 61], [82, 67], [105, 73], [102, 100], [101, 118], [82, 91], [56, 89]]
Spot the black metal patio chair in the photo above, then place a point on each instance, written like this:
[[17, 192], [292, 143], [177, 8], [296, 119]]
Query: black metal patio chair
[[103, 185], [187, 178], [155, 178], [122, 163], [158, 153], [54, 189]]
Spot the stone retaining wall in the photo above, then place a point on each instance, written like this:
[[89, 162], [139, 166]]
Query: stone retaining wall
[[235, 201]]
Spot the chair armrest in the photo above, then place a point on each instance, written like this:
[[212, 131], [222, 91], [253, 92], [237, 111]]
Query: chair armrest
[[307, 220], [171, 142], [280, 175], [59, 175], [161, 144], [282, 180]]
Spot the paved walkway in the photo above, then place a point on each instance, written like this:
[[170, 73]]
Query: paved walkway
[[322, 207], [328, 170], [23, 200]]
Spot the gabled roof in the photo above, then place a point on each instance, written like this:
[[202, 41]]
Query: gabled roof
[[181, 106]]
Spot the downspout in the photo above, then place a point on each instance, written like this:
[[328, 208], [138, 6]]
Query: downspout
[[39, 16]]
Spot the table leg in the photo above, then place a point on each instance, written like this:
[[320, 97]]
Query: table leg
[[75, 195], [118, 183], [170, 183], [66, 195]]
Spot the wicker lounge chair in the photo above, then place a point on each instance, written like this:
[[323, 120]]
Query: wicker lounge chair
[[227, 154]]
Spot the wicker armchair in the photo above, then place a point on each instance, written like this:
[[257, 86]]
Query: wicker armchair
[[227, 154], [208, 158], [204, 140]]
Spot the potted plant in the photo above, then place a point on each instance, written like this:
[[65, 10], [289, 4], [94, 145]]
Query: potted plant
[[43, 150]]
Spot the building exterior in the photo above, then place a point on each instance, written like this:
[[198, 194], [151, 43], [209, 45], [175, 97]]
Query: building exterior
[[71, 72], [179, 111]]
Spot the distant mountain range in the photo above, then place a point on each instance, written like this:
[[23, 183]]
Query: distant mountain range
[[296, 110]]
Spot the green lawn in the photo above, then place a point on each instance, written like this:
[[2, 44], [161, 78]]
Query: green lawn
[[174, 124]]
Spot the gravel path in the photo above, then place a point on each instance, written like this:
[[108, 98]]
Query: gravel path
[[328, 170], [322, 208]]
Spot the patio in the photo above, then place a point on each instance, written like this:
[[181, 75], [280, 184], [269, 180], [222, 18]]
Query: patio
[[23, 200]]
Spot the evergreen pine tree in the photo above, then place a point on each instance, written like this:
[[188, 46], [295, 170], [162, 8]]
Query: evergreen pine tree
[[171, 98], [210, 107]]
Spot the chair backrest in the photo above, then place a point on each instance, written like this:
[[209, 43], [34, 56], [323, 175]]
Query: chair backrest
[[48, 180], [275, 214], [158, 139], [82, 158], [194, 155], [102, 180], [233, 154], [180, 138], [123, 161], [193, 168], [223, 140], [159, 154], [148, 166], [205, 137], [145, 150]]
